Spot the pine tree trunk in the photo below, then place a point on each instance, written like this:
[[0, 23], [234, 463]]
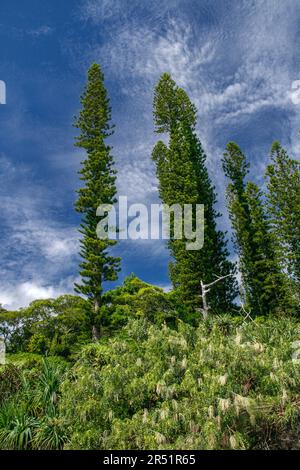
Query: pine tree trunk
[[95, 329], [95, 333]]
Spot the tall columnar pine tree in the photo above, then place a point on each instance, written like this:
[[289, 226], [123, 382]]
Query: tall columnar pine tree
[[98, 174], [183, 179], [283, 197], [270, 282], [262, 281], [283, 184]]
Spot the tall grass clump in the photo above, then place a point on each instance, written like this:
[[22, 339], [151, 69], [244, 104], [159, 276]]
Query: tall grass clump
[[29, 417]]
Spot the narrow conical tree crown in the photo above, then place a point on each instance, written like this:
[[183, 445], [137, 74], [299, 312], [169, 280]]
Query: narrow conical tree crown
[[172, 106], [283, 199], [283, 184], [98, 175], [263, 287], [268, 280], [183, 179]]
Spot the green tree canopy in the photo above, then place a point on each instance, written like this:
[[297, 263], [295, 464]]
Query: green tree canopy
[[183, 179], [262, 282], [98, 174]]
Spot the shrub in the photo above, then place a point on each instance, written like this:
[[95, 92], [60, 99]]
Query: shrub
[[29, 418], [223, 385], [10, 381]]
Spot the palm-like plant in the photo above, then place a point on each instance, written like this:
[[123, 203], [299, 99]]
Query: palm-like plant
[[48, 386], [51, 433], [30, 420], [17, 427]]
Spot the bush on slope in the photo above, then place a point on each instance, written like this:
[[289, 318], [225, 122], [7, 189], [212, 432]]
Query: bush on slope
[[223, 385]]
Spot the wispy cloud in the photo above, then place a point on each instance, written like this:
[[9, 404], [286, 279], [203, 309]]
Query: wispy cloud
[[21, 33], [236, 71], [236, 60], [37, 251], [242, 67], [43, 30]]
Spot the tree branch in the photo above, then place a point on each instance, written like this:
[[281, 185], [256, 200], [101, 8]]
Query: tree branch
[[219, 278]]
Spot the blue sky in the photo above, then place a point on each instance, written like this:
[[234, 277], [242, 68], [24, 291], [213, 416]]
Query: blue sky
[[237, 60]]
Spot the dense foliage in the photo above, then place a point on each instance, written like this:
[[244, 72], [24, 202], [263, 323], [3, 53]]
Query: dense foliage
[[262, 280], [283, 202], [184, 179], [98, 174], [225, 384], [29, 416], [135, 367], [52, 326]]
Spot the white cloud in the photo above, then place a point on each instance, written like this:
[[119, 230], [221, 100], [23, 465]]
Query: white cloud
[[234, 69], [259, 76], [141, 54], [51, 240], [136, 176], [99, 11], [15, 296], [38, 252], [43, 30], [166, 287]]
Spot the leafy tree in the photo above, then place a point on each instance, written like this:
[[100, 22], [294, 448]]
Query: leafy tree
[[99, 175], [52, 326], [13, 329], [283, 196], [137, 299], [261, 277], [183, 179]]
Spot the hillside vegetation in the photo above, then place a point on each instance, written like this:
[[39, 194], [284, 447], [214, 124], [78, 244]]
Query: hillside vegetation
[[224, 384], [212, 364]]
